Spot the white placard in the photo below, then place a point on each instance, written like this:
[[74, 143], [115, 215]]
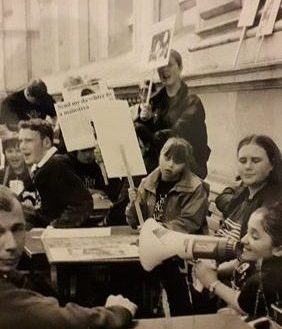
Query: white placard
[[100, 89], [114, 127], [158, 45], [248, 13], [75, 121], [268, 17]]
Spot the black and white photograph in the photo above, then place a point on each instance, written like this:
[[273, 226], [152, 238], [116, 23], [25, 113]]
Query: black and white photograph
[[160, 46], [140, 164]]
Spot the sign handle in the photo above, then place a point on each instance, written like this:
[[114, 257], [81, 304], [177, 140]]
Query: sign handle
[[100, 162], [242, 36], [131, 184], [259, 48], [150, 88]]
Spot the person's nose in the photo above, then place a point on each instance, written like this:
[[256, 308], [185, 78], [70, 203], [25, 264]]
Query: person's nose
[[170, 163], [245, 239], [249, 164], [22, 145], [9, 241]]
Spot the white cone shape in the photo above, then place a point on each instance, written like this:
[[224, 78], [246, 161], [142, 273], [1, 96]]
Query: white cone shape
[[157, 243]]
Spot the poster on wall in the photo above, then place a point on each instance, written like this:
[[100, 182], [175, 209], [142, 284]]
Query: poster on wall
[[158, 44]]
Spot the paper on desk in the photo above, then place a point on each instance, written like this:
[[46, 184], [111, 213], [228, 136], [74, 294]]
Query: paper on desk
[[76, 232], [78, 245]]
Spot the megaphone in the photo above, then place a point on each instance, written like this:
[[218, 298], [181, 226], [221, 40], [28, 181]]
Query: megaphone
[[157, 243]]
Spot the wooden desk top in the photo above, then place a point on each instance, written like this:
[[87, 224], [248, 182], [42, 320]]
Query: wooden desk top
[[209, 321]]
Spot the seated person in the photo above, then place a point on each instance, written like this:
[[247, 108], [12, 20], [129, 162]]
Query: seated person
[[175, 196], [15, 174], [256, 282], [172, 194], [26, 309], [260, 169], [86, 167], [64, 200]]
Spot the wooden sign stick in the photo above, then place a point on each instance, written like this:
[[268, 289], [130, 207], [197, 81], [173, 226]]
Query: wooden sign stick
[[242, 36], [259, 48], [131, 184], [150, 88]]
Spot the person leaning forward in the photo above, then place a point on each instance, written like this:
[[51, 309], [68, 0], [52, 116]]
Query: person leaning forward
[[30, 102]]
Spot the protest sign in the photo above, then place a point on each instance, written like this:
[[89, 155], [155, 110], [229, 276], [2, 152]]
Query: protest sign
[[248, 13], [115, 129], [267, 21], [268, 17], [158, 45], [75, 122], [99, 88], [247, 19]]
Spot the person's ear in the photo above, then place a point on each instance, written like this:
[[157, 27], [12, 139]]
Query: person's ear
[[47, 142], [277, 251]]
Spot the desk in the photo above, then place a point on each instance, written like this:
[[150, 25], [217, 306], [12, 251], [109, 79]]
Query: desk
[[209, 321], [34, 249], [34, 246], [117, 272]]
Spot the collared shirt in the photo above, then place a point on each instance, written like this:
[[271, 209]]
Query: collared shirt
[[46, 157]]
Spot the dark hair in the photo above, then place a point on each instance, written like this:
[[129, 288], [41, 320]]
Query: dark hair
[[272, 151], [176, 55], [8, 200], [180, 151], [86, 91], [37, 88], [272, 222], [10, 142], [43, 127]]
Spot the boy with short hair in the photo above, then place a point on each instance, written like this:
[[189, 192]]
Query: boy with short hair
[[65, 202]]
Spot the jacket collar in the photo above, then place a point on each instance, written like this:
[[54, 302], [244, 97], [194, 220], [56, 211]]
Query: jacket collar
[[188, 183], [46, 157]]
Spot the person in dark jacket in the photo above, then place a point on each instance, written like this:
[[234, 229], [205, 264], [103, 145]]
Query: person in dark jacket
[[23, 308], [65, 201], [31, 102], [175, 111]]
